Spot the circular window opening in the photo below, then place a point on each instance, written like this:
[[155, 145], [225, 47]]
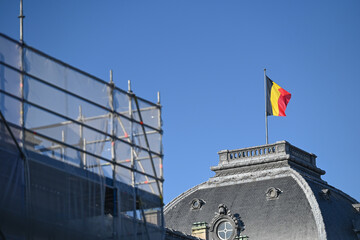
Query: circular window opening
[[225, 230], [196, 204]]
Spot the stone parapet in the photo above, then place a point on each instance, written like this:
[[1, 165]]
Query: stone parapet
[[280, 148], [279, 151]]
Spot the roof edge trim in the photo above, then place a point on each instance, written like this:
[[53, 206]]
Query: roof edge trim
[[315, 208]]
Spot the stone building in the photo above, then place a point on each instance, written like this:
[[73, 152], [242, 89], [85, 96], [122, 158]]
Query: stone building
[[273, 191]]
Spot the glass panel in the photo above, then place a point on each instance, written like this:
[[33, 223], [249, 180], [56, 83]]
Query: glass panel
[[9, 81], [107, 169], [66, 78], [158, 166], [121, 102], [68, 132], [62, 103], [225, 230], [123, 152], [146, 183], [149, 113], [10, 108], [122, 128], [150, 116], [9, 52], [154, 139], [145, 166]]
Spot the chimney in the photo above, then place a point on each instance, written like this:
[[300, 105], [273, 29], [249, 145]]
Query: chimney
[[200, 230]]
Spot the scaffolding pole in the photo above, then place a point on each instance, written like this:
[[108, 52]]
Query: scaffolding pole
[[21, 17], [161, 163], [161, 146], [132, 157], [113, 150]]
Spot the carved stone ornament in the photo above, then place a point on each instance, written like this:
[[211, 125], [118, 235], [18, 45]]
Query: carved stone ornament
[[225, 226], [325, 193], [273, 193], [196, 204]]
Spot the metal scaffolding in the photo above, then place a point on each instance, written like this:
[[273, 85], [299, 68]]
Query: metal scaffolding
[[88, 160]]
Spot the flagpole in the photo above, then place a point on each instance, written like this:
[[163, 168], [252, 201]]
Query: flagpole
[[266, 120]]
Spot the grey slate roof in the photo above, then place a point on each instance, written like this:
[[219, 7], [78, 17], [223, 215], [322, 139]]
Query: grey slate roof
[[306, 208], [337, 211]]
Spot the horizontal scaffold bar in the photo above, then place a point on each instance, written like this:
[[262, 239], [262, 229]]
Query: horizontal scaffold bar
[[80, 97], [72, 68], [92, 154], [79, 123]]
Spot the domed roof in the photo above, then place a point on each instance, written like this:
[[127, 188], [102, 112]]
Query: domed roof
[[276, 192]]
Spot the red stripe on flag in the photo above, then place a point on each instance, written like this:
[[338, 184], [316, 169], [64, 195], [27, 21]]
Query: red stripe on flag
[[283, 101]]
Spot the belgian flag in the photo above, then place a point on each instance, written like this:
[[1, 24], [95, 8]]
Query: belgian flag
[[277, 99]]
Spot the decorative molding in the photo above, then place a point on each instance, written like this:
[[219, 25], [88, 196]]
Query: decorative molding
[[196, 204], [273, 193], [224, 216], [247, 177], [179, 198], [325, 193], [315, 208], [356, 206], [254, 168]]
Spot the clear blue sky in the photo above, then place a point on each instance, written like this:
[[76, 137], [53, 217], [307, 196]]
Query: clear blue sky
[[207, 58]]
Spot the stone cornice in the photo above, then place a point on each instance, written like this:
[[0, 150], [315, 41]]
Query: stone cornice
[[237, 160]]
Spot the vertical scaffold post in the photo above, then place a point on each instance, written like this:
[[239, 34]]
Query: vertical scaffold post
[[21, 17], [161, 161], [111, 85], [113, 153], [22, 69], [132, 159], [62, 147], [82, 139], [27, 193], [161, 147]]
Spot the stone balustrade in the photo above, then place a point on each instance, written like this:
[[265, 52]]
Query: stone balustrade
[[278, 149]]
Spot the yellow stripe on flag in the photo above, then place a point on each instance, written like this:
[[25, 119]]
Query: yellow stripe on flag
[[274, 98]]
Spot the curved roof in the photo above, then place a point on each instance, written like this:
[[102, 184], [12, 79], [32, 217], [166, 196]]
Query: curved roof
[[303, 207]]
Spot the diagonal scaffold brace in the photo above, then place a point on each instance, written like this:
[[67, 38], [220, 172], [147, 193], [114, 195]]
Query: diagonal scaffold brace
[[148, 146]]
